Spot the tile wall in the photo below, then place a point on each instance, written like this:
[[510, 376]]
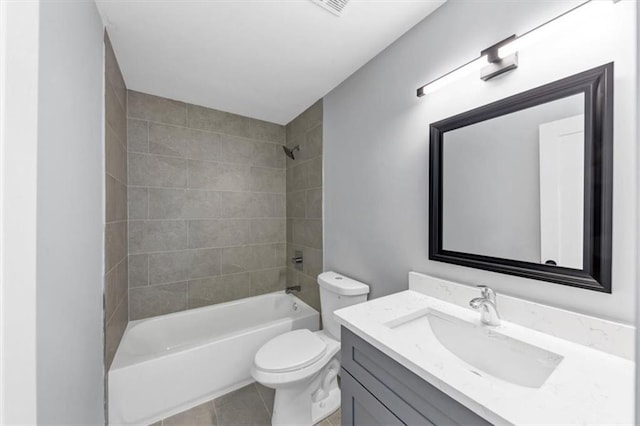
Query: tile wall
[[116, 265], [304, 202], [206, 206]]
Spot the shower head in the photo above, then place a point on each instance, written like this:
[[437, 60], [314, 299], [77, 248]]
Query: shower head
[[290, 151]]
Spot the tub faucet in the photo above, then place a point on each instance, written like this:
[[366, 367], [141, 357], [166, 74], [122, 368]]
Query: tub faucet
[[291, 289], [487, 306]]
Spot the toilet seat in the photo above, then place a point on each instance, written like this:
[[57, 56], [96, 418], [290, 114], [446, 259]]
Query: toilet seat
[[290, 351], [298, 374]]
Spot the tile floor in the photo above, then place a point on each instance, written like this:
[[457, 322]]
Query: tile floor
[[250, 405]]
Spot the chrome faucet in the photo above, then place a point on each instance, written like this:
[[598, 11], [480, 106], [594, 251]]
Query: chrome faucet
[[487, 305]]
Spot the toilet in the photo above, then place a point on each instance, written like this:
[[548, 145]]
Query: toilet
[[303, 366]]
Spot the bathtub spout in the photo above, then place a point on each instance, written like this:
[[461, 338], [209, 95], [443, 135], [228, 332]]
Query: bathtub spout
[[291, 289]]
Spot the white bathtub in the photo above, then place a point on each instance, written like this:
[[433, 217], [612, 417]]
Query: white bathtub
[[167, 364]]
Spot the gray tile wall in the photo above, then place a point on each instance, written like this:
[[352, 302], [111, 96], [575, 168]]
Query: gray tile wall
[[304, 201], [116, 264], [206, 206]]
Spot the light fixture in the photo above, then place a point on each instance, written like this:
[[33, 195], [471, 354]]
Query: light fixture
[[499, 58], [459, 72], [499, 62]]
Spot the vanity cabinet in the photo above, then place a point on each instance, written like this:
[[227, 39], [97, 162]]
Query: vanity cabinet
[[376, 390]]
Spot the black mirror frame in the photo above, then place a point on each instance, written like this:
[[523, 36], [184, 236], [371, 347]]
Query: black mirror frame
[[597, 86]]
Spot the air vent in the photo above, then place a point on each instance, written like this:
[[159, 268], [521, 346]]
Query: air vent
[[334, 6]]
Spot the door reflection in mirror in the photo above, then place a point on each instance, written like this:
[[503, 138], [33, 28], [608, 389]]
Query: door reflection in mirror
[[562, 191]]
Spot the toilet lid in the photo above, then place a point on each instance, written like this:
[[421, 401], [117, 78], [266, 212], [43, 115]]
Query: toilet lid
[[290, 351]]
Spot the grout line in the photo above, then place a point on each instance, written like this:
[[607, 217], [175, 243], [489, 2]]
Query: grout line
[[215, 412], [113, 85], [262, 399], [187, 225], [148, 202], [148, 271], [186, 295], [148, 137], [303, 189], [116, 179], [181, 157], [214, 248], [116, 135], [188, 175], [116, 265], [187, 280], [108, 320], [197, 129], [211, 248], [110, 85], [219, 218], [176, 188]]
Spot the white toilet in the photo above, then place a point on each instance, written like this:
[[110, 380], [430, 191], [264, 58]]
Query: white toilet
[[302, 366]]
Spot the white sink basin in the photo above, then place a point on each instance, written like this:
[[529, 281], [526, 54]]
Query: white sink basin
[[483, 349]]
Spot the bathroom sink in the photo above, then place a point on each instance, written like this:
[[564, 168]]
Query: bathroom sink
[[483, 349]]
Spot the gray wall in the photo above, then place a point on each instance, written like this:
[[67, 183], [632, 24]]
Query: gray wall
[[376, 142], [116, 265], [70, 215], [492, 206], [206, 206], [304, 202]]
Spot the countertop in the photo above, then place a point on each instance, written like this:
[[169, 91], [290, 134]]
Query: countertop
[[589, 386]]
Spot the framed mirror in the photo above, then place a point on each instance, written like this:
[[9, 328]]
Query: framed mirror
[[523, 186]]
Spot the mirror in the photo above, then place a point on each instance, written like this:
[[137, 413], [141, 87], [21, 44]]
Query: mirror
[[523, 186]]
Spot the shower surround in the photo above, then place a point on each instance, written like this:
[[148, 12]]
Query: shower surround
[[304, 202], [116, 301], [206, 206]]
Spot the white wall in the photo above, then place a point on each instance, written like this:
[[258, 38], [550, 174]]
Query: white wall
[[376, 141], [52, 213], [637, 259], [70, 214], [18, 171]]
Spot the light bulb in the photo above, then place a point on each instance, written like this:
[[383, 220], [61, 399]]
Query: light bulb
[[454, 75]]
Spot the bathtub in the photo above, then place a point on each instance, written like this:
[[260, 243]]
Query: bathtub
[[170, 363]]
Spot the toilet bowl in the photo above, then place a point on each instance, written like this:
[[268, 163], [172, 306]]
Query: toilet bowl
[[303, 366]]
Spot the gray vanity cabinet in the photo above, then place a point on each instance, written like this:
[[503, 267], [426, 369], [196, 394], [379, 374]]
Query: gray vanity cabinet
[[377, 390], [360, 407]]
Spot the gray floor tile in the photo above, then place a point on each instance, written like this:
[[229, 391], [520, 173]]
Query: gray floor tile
[[201, 415], [250, 405], [242, 407], [336, 418], [267, 395]]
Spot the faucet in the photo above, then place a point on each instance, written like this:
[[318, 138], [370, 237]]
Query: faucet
[[291, 289], [487, 304]]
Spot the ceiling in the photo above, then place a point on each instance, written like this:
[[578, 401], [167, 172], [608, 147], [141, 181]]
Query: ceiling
[[267, 59]]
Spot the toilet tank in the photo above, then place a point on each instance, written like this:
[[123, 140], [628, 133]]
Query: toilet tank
[[336, 292]]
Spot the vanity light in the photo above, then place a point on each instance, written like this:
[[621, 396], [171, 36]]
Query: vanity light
[[499, 61], [451, 76], [499, 58]]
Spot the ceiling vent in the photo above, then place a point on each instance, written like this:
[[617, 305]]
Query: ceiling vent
[[333, 6]]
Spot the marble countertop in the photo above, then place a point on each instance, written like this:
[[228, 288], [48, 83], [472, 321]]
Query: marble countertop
[[589, 386]]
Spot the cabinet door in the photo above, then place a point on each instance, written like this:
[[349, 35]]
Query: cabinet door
[[359, 407], [409, 397]]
